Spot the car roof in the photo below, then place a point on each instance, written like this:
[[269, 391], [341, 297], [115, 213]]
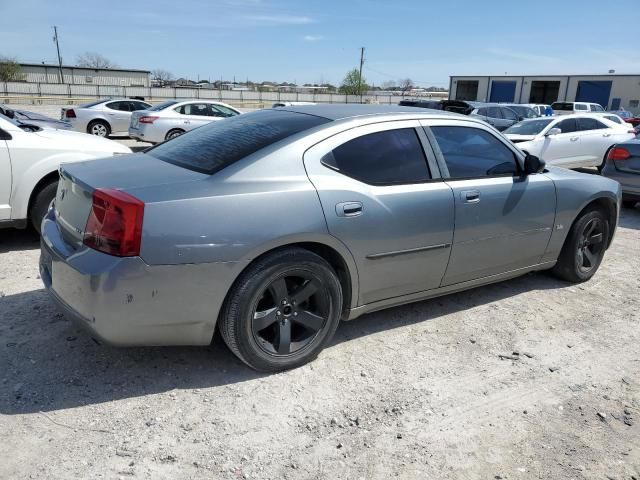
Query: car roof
[[343, 111]]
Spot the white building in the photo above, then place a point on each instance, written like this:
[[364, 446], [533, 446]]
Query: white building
[[613, 91], [50, 73]]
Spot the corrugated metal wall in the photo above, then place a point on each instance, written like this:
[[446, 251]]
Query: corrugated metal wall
[[78, 76]]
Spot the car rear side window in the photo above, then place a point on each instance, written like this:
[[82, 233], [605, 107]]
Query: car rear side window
[[589, 124], [391, 157], [214, 146], [494, 112], [474, 153], [562, 106], [568, 125], [580, 106]]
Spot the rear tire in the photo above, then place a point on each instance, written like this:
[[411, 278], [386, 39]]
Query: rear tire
[[176, 132], [41, 203], [282, 311], [99, 128], [583, 248]]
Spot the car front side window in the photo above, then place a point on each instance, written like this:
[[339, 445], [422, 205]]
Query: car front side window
[[390, 157], [474, 153], [567, 126], [589, 124]]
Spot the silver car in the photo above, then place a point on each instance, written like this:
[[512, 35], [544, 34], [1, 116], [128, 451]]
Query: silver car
[[103, 117], [173, 118], [273, 225]]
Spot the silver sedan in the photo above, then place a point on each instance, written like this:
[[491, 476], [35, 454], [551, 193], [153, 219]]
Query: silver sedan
[[103, 117], [274, 225], [173, 118]]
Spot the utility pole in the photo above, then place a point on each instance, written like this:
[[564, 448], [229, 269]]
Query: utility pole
[[360, 74], [55, 39]]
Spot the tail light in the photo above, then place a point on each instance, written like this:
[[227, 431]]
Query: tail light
[[114, 225], [70, 113], [618, 153], [147, 119]]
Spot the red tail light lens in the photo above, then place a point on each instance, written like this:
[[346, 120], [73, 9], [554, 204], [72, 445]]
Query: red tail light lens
[[70, 113], [618, 153], [114, 225], [147, 119]]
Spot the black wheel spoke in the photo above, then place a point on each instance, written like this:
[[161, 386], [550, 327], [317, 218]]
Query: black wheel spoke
[[591, 226], [279, 290], [284, 338], [589, 257], [303, 292], [595, 239], [309, 320], [262, 319]]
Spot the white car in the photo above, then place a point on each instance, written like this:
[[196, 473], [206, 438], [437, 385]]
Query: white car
[[30, 157], [103, 117], [539, 108], [570, 141], [174, 117], [568, 108]]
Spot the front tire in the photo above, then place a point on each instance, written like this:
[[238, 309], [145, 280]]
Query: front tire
[[99, 128], [41, 203], [282, 311], [584, 247]]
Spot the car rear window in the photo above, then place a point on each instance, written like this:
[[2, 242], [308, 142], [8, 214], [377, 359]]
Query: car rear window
[[92, 104], [162, 106], [563, 106], [214, 146]]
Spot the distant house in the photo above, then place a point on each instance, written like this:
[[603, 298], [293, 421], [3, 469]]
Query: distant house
[[50, 73]]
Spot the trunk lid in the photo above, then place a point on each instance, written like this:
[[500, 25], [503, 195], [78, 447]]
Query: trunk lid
[[125, 172], [631, 164]]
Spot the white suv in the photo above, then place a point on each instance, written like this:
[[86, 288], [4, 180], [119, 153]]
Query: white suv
[[568, 108], [30, 157]]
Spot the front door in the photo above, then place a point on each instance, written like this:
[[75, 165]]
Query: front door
[[119, 114], [5, 180], [503, 219], [383, 197], [565, 149]]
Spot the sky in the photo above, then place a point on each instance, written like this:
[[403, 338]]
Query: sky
[[308, 41]]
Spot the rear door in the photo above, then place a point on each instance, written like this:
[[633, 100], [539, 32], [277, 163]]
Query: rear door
[[196, 114], [510, 117], [118, 114], [503, 219], [383, 197], [596, 138]]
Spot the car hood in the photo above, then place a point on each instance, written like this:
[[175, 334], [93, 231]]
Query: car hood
[[519, 138], [82, 141]]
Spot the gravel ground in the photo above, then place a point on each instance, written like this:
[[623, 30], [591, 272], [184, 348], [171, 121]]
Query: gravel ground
[[531, 378]]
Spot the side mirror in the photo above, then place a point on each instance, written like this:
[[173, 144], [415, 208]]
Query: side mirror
[[533, 164], [553, 131]]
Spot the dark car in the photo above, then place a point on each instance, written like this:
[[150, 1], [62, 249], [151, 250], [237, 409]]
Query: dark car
[[623, 165], [499, 116], [455, 106], [32, 118]]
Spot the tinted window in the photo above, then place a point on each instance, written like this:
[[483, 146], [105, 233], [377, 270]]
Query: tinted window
[[91, 104], [596, 108], [590, 124], [121, 106], [471, 153], [225, 111], [494, 112], [198, 109], [509, 114], [567, 126], [163, 105], [563, 106], [525, 112], [382, 158], [135, 106], [482, 111], [530, 127], [614, 118], [579, 106], [214, 146]]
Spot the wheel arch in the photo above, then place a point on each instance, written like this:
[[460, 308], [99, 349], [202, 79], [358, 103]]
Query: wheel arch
[[98, 120], [609, 206], [43, 182]]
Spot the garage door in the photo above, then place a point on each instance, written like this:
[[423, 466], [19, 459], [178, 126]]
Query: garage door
[[502, 91], [594, 91]]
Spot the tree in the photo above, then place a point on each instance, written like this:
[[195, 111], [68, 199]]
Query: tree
[[161, 77], [9, 69], [406, 85], [353, 84], [94, 60]]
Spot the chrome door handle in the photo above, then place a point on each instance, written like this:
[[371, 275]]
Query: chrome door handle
[[349, 209], [470, 196], [573, 139], [606, 134]]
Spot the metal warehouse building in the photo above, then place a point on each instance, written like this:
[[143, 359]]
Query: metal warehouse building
[[43, 73], [614, 91]]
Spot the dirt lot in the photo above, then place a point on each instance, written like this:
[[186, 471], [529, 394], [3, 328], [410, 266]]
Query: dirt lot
[[413, 392]]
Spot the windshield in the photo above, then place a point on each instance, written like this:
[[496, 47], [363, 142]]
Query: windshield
[[212, 147], [525, 112], [531, 127], [162, 106]]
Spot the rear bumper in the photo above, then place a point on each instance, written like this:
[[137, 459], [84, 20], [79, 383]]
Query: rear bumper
[[145, 133], [124, 301], [630, 182]]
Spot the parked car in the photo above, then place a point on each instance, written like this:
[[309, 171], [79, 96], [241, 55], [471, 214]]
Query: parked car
[[539, 108], [499, 116], [570, 141], [310, 217], [290, 104], [568, 108], [456, 106], [103, 117], [173, 118], [623, 166], [523, 111], [29, 160], [33, 118], [628, 117]]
